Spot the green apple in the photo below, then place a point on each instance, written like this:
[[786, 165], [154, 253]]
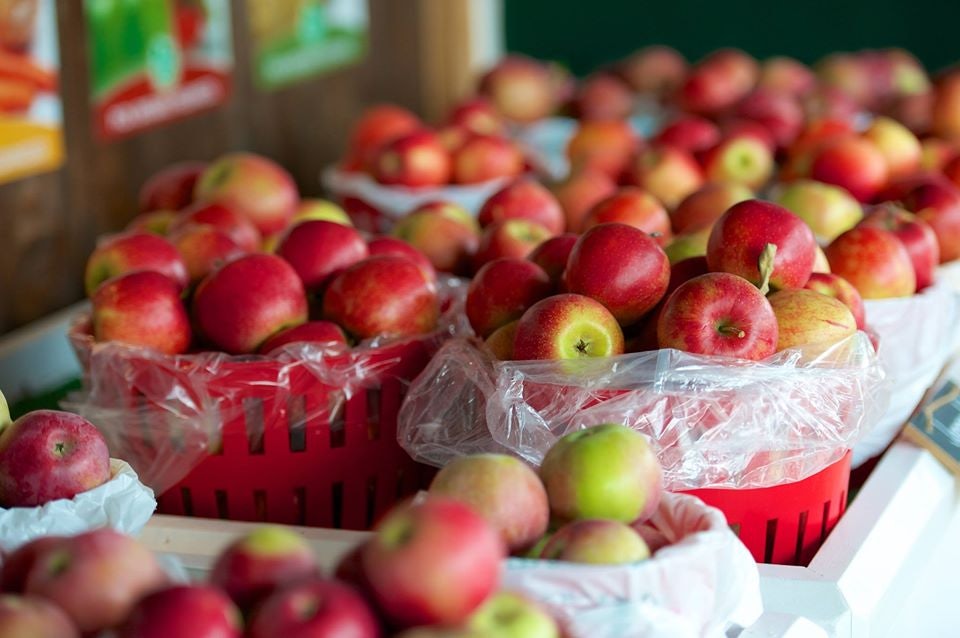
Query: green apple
[[686, 246], [508, 615], [596, 542], [828, 210]]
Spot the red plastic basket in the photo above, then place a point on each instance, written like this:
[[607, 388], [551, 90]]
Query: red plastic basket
[[785, 524]]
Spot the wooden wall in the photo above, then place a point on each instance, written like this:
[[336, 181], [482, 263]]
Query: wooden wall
[[418, 57]]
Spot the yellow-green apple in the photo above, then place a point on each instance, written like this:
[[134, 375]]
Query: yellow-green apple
[[319, 249], [501, 291], [621, 267], [524, 199], [434, 562], [96, 577], [899, 147], [477, 115], [198, 611], [31, 617], [605, 471], [691, 133], [808, 317], [310, 332], [718, 82], [741, 235], [245, 302], [701, 208], [938, 204], [935, 153], [386, 295], [578, 193], [739, 160], [132, 252], [779, 113], [604, 145], [314, 609], [377, 126], [323, 209], [509, 238], [520, 88], [827, 209], [157, 222], [874, 261], [4, 414], [945, 119], [18, 563], [204, 249], [567, 326], [820, 263], [510, 615], [141, 308], [503, 490], [841, 289], [443, 231], [482, 158], [667, 173], [170, 188], [654, 69], [223, 218], [552, 256], [393, 246], [500, 343], [262, 562], [685, 246], [596, 541], [603, 96], [917, 236], [718, 314], [415, 160], [786, 75], [634, 207], [254, 186], [855, 163], [48, 455]]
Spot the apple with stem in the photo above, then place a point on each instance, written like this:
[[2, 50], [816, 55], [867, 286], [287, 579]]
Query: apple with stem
[[567, 326]]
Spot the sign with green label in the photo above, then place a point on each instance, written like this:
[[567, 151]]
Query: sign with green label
[[296, 39], [155, 61]]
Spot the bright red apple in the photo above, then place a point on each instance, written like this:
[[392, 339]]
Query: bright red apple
[[938, 204], [917, 237], [634, 207], [377, 126], [691, 133], [501, 291], [131, 252], [318, 250], [415, 160], [141, 308], [204, 249], [524, 199], [197, 611], [718, 81], [314, 609], [224, 219], [170, 188], [701, 208], [874, 261], [311, 332], [445, 232], [510, 238], [393, 246], [482, 158], [552, 256], [853, 163], [567, 326]]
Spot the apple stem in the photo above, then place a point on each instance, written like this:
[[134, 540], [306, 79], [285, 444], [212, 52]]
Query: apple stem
[[765, 265], [733, 330]]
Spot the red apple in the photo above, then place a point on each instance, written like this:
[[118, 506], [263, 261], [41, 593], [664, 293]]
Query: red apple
[[719, 314], [314, 609], [29, 617], [224, 219], [917, 237], [131, 252], [899, 147], [806, 317], [817, 134], [520, 88], [197, 611], [445, 232], [654, 69], [311, 332], [634, 207], [247, 301], [485, 157], [737, 127], [524, 199], [951, 170], [739, 160], [786, 75], [567, 326], [604, 145], [552, 256], [701, 208], [938, 204], [17, 564], [842, 290], [580, 192], [386, 295], [596, 541], [847, 73], [171, 188], [318, 250], [501, 291], [603, 96], [394, 246], [874, 261], [500, 343], [156, 222], [690, 133], [477, 115], [828, 210], [144, 309], [853, 163], [377, 126], [510, 238], [667, 173], [718, 81], [779, 113], [204, 249], [415, 160]]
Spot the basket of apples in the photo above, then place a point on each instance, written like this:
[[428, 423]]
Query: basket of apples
[[252, 385]]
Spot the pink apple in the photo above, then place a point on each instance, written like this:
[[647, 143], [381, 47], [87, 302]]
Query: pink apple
[[579, 192], [144, 309], [701, 208], [482, 158], [520, 88], [806, 317], [874, 261], [314, 609], [512, 238], [604, 145], [634, 207], [501, 291], [524, 199], [552, 256], [204, 249], [603, 96], [131, 252], [691, 133], [30, 617], [739, 160], [917, 237], [415, 160], [318, 250], [667, 173], [310, 332], [828, 210], [841, 289], [854, 163], [170, 188], [444, 232], [224, 219], [596, 541], [567, 326], [197, 611]]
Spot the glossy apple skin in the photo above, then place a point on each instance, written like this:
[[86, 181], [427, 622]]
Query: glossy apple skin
[[204, 249], [841, 289], [603, 96], [503, 490], [170, 188], [786, 75], [898, 145], [807, 317], [740, 235], [509, 239], [501, 291], [579, 193], [247, 301], [853, 163], [691, 133], [500, 343], [485, 157], [256, 187], [196, 610], [377, 126], [223, 218], [938, 204], [415, 160], [432, 563], [311, 331], [386, 295], [318, 250], [667, 173], [606, 471], [22, 617], [524, 199], [314, 609], [604, 146], [634, 207], [393, 246], [874, 261], [509, 615], [596, 541], [719, 314], [654, 69], [917, 237], [131, 252], [552, 256], [701, 208], [567, 326], [621, 267], [520, 88], [446, 233], [141, 309], [740, 160], [827, 209]]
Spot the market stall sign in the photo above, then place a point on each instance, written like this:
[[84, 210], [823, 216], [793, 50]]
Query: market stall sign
[[936, 426]]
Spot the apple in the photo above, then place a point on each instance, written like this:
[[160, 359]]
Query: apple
[[386, 295], [605, 471], [874, 261], [740, 160], [141, 308], [820, 263], [935, 153], [635, 207], [951, 170], [779, 113], [938, 204], [801, 153], [596, 541], [197, 611], [17, 564], [314, 609], [377, 126], [945, 121], [567, 326], [524, 199], [786, 75], [29, 617], [899, 147], [701, 208], [476, 115], [686, 246], [310, 209], [510, 615], [482, 158], [445, 232], [847, 73], [170, 188], [204, 249], [854, 163], [719, 314], [224, 219], [95, 577], [808, 317], [4, 415], [434, 562], [604, 145], [247, 301], [841, 289], [603, 96], [415, 160], [500, 342], [718, 82], [736, 127], [667, 173], [829, 102], [621, 267], [654, 69], [510, 238], [828, 210], [310, 332], [579, 192], [552, 256], [741, 235], [917, 237], [131, 252], [520, 88], [319, 249], [501, 291], [690, 133], [156, 222], [394, 246]]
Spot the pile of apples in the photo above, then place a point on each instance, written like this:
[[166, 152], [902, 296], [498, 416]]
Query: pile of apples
[[227, 257]]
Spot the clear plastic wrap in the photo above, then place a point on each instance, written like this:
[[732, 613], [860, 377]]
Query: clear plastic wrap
[[701, 582], [715, 422]]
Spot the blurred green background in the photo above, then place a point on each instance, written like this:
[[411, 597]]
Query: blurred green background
[[583, 35]]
